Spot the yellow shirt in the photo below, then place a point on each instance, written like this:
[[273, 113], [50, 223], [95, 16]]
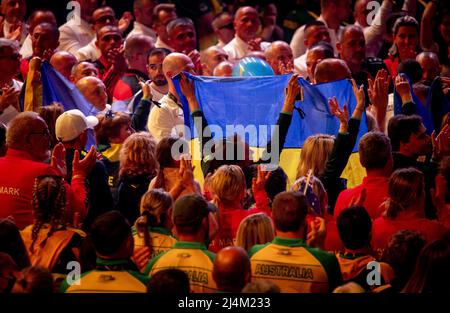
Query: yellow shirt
[[191, 257], [294, 266], [161, 240]]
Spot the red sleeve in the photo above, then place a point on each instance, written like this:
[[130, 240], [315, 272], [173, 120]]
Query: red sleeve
[[122, 91], [262, 202], [76, 199]]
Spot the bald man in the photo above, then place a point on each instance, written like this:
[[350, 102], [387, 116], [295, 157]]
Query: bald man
[[169, 119], [83, 69], [93, 89], [210, 58], [224, 69], [429, 62], [279, 56], [137, 48], [331, 69], [63, 62], [231, 270], [317, 53], [246, 25]]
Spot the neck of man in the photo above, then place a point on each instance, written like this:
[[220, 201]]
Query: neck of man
[[378, 172], [164, 89], [199, 237], [330, 18], [299, 234]]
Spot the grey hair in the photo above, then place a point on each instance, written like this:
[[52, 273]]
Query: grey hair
[[182, 21]]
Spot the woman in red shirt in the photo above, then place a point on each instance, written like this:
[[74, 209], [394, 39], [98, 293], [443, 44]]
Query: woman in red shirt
[[405, 210]]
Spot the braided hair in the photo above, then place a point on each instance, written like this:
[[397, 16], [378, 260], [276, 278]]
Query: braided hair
[[49, 203]]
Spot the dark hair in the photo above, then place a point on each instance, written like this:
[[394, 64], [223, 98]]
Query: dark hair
[[401, 254], [431, 273], [11, 243], [168, 7], [157, 51], [324, 46], [169, 281], [401, 127], [109, 231], [36, 279], [412, 69], [50, 114], [313, 23], [405, 21], [406, 187], [109, 125], [354, 226], [49, 204], [231, 269], [275, 184], [289, 210], [374, 150]]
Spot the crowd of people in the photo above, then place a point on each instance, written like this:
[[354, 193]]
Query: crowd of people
[[128, 210]]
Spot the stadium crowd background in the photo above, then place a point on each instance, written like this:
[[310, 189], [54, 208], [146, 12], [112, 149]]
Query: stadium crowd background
[[127, 213]]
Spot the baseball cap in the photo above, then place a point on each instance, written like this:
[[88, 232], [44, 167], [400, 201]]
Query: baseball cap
[[191, 209], [72, 123]]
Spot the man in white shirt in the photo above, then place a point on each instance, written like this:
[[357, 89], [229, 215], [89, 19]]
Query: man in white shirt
[[78, 31], [333, 13], [279, 56], [143, 13], [13, 27], [163, 14], [10, 88], [246, 24], [169, 119], [94, 90]]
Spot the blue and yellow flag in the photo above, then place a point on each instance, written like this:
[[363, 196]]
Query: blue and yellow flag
[[256, 101]]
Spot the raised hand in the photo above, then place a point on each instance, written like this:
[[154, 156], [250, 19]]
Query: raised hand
[[342, 115], [260, 180], [125, 21], [188, 89], [293, 89], [316, 237], [15, 31], [9, 96], [360, 99], [285, 68], [254, 44], [403, 88], [441, 143], [116, 57], [146, 90], [58, 159], [85, 166], [378, 95]]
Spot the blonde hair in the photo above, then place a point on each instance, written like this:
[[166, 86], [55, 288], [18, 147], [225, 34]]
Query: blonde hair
[[314, 155], [227, 184], [253, 230], [137, 155]]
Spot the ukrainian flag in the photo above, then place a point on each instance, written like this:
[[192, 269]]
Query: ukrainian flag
[[257, 101]]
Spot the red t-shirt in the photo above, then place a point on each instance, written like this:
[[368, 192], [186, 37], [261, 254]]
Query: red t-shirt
[[383, 228], [376, 193], [18, 173]]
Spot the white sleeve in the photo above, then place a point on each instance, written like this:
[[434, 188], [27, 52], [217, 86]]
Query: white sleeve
[[160, 122], [374, 33], [297, 42], [68, 40]]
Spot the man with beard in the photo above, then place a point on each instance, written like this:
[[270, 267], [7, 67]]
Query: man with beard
[[111, 64], [153, 90], [182, 38]]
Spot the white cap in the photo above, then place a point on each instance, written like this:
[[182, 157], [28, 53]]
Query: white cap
[[72, 124]]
